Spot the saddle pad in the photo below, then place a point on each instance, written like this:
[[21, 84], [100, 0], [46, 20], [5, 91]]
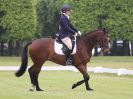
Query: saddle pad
[[58, 48]]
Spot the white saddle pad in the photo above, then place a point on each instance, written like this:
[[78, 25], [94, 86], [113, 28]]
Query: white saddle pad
[[58, 48]]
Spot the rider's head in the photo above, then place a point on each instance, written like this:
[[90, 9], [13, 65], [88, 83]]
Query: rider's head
[[66, 9]]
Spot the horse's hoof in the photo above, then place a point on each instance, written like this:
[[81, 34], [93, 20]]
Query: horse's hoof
[[39, 89], [89, 89], [74, 86], [31, 89]]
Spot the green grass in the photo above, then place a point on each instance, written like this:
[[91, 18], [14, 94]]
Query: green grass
[[113, 61], [16, 61], [104, 61], [57, 85]]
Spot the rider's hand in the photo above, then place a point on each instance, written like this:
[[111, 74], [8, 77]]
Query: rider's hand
[[78, 33]]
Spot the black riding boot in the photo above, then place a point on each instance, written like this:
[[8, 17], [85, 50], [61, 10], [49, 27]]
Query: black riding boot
[[69, 58]]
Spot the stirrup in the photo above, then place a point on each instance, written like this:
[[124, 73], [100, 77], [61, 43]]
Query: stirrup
[[69, 62]]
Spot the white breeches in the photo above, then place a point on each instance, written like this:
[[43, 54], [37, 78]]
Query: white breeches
[[67, 42]]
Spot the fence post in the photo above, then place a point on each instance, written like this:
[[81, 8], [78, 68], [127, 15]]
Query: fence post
[[121, 71]]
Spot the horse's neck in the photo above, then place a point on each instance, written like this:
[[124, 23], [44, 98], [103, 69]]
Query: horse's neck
[[90, 40]]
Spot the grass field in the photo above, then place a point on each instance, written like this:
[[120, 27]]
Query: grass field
[[104, 61], [57, 85], [113, 61]]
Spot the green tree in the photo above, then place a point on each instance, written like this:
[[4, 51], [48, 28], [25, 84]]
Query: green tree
[[47, 17], [116, 15], [120, 19], [19, 20], [19, 23]]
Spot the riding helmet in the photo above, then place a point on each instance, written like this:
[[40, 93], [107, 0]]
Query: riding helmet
[[65, 8]]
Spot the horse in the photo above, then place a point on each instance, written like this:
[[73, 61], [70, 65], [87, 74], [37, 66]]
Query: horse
[[41, 50]]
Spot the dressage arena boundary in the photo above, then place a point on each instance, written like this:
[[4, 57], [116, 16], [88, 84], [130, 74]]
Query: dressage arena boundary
[[121, 71]]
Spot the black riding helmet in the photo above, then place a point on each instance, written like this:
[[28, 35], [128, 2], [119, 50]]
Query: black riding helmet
[[65, 8]]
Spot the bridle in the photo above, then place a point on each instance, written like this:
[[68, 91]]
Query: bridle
[[101, 41]]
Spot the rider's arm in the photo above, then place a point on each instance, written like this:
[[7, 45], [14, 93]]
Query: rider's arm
[[64, 22], [72, 27]]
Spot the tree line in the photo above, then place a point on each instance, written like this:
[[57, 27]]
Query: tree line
[[25, 20]]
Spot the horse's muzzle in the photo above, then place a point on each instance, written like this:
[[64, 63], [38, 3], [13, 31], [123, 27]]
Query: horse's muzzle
[[106, 50]]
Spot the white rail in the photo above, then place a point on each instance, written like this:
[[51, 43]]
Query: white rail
[[121, 71]]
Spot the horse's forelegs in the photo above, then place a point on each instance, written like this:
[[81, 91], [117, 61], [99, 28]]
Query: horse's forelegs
[[34, 78], [87, 80], [77, 84], [81, 82], [83, 70], [87, 83]]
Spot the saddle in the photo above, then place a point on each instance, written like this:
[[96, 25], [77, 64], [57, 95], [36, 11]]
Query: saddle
[[61, 48]]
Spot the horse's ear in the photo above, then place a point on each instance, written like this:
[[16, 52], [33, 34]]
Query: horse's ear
[[106, 31]]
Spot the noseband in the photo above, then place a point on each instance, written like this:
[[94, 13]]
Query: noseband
[[101, 41]]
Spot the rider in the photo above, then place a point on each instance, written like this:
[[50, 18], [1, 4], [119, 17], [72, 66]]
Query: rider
[[66, 31]]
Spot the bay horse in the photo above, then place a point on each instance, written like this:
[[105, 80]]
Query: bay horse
[[41, 50]]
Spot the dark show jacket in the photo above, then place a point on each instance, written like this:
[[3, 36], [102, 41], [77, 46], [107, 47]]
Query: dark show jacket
[[66, 28]]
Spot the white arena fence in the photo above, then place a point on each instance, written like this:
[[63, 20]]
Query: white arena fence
[[121, 71]]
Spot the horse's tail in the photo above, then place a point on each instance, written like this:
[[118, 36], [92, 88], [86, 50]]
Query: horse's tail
[[24, 61]]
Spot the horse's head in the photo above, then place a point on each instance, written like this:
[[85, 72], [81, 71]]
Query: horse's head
[[103, 40], [98, 36]]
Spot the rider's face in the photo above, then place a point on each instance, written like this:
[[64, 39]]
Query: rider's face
[[68, 12]]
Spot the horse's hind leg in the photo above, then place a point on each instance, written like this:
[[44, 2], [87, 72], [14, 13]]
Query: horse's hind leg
[[34, 73], [32, 78]]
